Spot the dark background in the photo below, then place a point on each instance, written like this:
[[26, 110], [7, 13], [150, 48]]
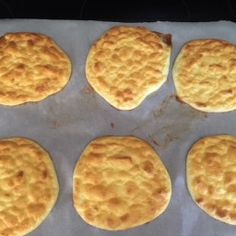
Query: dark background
[[179, 10]]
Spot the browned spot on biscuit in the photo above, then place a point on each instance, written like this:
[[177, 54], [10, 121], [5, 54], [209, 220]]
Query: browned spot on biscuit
[[178, 99], [201, 104], [148, 167], [45, 174], [165, 37]]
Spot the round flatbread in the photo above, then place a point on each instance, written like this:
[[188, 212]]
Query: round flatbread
[[28, 186], [127, 64], [211, 176], [120, 183], [204, 75], [32, 67]]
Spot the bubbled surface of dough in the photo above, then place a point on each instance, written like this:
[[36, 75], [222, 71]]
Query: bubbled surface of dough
[[127, 64], [32, 67], [205, 75], [28, 186], [211, 176], [120, 183]]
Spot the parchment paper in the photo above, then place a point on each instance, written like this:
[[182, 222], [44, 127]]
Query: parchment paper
[[65, 123]]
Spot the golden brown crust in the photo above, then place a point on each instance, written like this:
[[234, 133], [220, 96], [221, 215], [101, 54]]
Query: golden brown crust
[[32, 67], [28, 186], [204, 75], [211, 176], [120, 183], [127, 64]]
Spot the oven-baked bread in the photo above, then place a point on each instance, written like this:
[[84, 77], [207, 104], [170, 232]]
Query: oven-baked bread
[[32, 67], [127, 64], [211, 176], [205, 75], [120, 183], [28, 186]]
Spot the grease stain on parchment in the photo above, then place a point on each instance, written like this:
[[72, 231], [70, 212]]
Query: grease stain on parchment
[[63, 113], [87, 90], [170, 121]]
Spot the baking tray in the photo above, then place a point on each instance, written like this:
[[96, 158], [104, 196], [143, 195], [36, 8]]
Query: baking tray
[[64, 124]]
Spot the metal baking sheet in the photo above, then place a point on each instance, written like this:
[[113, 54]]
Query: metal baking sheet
[[65, 123]]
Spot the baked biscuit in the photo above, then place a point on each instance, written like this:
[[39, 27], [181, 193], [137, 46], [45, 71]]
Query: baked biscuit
[[32, 67], [211, 176], [28, 186], [120, 183], [204, 75], [127, 64]]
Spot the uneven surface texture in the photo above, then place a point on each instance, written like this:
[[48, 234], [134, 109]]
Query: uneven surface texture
[[28, 186], [211, 176], [119, 183], [205, 75], [32, 67], [127, 64]]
